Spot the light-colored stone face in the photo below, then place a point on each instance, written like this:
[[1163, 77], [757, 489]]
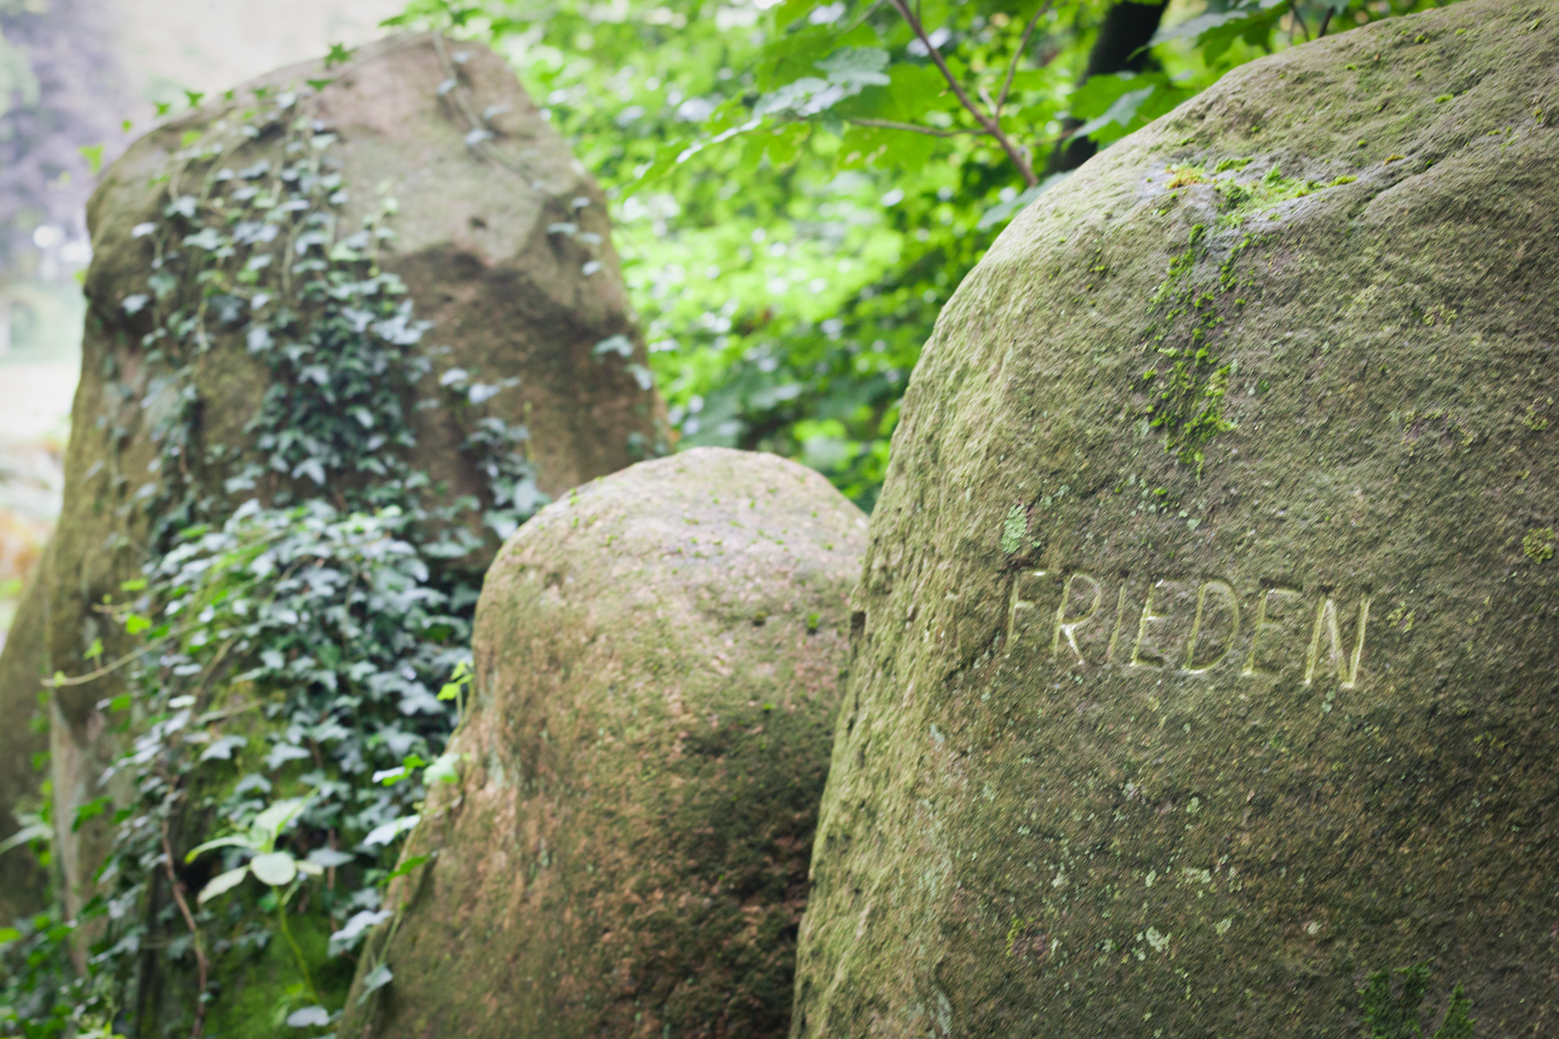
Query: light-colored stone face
[[658, 662], [1207, 665]]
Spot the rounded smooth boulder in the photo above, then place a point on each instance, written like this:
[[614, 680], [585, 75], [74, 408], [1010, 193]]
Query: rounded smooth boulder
[[1208, 682], [658, 663]]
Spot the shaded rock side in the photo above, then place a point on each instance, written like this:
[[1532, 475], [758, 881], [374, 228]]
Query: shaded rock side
[[657, 669], [1208, 657], [479, 248], [23, 882]]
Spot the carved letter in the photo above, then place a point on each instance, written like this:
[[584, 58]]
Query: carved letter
[[1148, 617], [1068, 625], [1018, 603], [1196, 627], [1326, 618], [1120, 621], [1261, 625]]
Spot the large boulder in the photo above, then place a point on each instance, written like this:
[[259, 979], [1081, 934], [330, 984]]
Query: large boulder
[[658, 663], [1209, 662], [501, 239]]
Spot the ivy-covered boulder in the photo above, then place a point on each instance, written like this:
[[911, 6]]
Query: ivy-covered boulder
[[1210, 622], [379, 286], [624, 851]]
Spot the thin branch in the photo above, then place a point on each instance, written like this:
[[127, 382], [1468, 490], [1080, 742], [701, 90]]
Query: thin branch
[[992, 126], [203, 965], [1293, 12], [1017, 56], [888, 124], [861, 18], [92, 676], [1325, 21], [480, 147]]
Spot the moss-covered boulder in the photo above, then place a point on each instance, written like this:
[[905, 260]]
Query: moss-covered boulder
[[1209, 656], [658, 662], [440, 171]]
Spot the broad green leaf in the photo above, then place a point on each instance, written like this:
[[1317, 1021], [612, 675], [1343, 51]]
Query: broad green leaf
[[235, 841], [221, 883], [1118, 116], [856, 66], [33, 832], [276, 868], [276, 818], [91, 810]]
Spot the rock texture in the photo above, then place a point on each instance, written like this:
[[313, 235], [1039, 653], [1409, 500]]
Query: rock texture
[[1210, 633], [658, 663], [481, 253]]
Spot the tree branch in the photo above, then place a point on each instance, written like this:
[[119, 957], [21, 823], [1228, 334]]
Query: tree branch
[[1017, 56], [888, 124], [992, 126]]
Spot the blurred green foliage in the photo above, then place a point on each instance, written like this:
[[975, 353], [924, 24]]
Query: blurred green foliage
[[787, 248]]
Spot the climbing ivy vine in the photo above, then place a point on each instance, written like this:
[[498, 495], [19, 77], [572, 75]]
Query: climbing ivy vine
[[306, 601]]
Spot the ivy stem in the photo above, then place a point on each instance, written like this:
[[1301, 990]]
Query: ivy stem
[[203, 966], [303, 967]]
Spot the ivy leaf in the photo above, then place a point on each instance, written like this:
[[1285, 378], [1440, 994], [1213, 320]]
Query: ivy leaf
[[355, 928], [387, 832], [93, 153], [309, 1017], [329, 857], [618, 344], [377, 978], [405, 868], [162, 283], [222, 749], [339, 55]]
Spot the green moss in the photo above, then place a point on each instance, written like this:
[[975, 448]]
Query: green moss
[[1394, 1011], [1240, 199], [1539, 544], [1015, 529], [260, 996]]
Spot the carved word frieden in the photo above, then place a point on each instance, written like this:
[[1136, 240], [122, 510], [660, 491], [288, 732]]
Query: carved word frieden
[[1192, 627]]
